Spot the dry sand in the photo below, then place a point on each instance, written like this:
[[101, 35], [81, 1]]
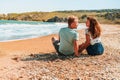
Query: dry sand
[[36, 59]]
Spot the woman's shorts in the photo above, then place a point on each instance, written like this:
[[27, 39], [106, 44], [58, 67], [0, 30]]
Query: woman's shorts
[[96, 49]]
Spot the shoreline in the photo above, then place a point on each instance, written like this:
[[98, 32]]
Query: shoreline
[[54, 33], [47, 39]]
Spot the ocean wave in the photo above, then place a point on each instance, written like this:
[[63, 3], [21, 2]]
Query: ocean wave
[[16, 30]]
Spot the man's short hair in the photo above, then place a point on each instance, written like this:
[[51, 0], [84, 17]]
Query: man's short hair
[[71, 19]]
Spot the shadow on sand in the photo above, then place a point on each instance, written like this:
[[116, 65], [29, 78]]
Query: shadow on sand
[[50, 57]]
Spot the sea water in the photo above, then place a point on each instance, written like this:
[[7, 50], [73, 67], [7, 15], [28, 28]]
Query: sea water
[[16, 30]]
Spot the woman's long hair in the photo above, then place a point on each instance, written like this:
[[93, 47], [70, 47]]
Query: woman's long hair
[[94, 27]]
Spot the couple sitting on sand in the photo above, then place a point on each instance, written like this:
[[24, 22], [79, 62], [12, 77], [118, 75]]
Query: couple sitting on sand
[[67, 44]]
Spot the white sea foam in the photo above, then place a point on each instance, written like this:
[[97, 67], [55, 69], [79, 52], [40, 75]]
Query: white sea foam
[[15, 30]]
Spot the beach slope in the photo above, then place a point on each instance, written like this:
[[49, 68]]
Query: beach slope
[[35, 59]]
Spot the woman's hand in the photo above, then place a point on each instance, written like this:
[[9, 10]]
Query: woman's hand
[[81, 48]]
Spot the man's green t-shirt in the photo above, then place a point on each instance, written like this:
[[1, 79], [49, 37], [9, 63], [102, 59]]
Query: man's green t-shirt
[[67, 36]]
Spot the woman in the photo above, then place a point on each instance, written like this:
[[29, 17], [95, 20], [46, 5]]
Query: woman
[[93, 43]]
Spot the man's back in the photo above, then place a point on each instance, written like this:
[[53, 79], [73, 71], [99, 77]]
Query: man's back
[[67, 36]]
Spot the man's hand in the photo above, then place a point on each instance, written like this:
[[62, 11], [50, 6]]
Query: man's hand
[[76, 55]]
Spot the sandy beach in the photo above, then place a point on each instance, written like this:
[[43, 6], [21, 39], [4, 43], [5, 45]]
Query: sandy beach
[[36, 59]]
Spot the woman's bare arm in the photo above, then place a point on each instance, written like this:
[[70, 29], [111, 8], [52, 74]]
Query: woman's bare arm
[[86, 44]]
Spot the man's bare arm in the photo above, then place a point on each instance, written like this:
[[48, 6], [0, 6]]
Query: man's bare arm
[[76, 47]]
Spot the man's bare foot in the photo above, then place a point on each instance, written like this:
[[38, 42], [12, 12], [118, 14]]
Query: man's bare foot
[[53, 39]]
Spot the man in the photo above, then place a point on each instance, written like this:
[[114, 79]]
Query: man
[[68, 39]]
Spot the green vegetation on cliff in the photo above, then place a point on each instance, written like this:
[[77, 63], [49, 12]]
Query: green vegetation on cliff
[[103, 16]]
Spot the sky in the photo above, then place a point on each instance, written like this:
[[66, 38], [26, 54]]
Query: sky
[[19, 6]]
